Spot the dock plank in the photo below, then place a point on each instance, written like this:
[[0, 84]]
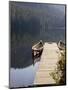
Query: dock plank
[[47, 64]]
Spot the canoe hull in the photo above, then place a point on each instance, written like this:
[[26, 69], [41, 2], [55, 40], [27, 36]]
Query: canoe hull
[[61, 45], [37, 50], [36, 53]]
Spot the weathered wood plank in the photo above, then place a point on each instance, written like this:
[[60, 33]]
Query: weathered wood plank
[[47, 64]]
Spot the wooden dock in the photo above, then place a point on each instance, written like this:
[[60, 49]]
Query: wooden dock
[[47, 64]]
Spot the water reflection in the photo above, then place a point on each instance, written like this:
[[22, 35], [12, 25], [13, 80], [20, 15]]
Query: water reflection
[[23, 77], [21, 56]]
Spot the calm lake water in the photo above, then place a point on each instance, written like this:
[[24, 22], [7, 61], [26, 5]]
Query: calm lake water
[[22, 70], [23, 77], [30, 23]]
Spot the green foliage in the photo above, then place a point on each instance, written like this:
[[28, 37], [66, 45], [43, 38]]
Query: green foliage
[[59, 73]]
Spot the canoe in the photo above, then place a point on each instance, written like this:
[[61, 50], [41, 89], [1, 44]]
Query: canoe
[[37, 49], [61, 45]]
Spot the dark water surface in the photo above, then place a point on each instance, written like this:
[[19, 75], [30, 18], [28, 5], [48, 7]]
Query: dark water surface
[[21, 56]]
